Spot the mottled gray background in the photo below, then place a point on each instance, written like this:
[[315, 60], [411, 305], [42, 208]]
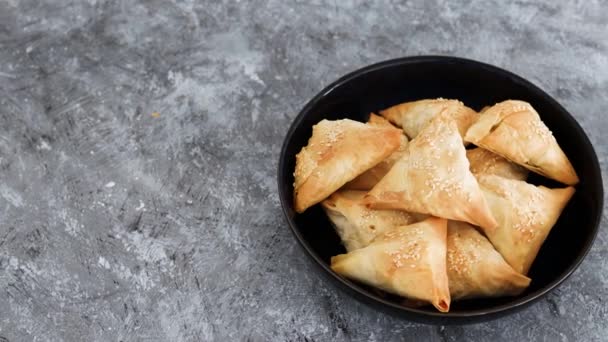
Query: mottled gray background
[[138, 149]]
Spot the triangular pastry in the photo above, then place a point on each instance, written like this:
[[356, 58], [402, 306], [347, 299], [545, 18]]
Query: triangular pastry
[[433, 177], [408, 261], [484, 161], [371, 177], [337, 152], [414, 116], [356, 224], [525, 214], [476, 269], [514, 130]]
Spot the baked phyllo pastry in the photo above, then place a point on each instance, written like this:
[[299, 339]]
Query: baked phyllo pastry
[[408, 261], [525, 214], [337, 152], [412, 117], [476, 269], [356, 224], [514, 130], [484, 161], [433, 177], [371, 177], [375, 119]]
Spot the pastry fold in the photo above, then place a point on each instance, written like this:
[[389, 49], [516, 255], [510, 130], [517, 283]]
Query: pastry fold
[[371, 177], [413, 116], [356, 224], [408, 261], [475, 269], [375, 119], [433, 177], [484, 161], [525, 214], [337, 152], [514, 130]]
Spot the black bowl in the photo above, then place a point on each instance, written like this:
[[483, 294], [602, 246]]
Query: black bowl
[[388, 83]]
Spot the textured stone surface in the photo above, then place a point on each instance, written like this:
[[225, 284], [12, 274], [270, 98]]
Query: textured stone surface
[[139, 142]]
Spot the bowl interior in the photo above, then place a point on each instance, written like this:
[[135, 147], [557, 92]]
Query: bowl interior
[[383, 85]]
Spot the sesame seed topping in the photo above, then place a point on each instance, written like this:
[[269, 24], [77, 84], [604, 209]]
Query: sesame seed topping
[[540, 130], [410, 248], [333, 135]]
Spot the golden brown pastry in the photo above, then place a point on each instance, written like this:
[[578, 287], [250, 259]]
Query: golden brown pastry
[[476, 269], [514, 130], [409, 261], [414, 116], [484, 161], [433, 177], [371, 177], [375, 119], [356, 224], [525, 214], [337, 152]]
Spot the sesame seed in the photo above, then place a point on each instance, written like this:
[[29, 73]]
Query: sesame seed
[[408, 252]]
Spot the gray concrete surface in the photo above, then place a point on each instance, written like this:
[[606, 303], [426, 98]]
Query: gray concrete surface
[[139, 142]]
